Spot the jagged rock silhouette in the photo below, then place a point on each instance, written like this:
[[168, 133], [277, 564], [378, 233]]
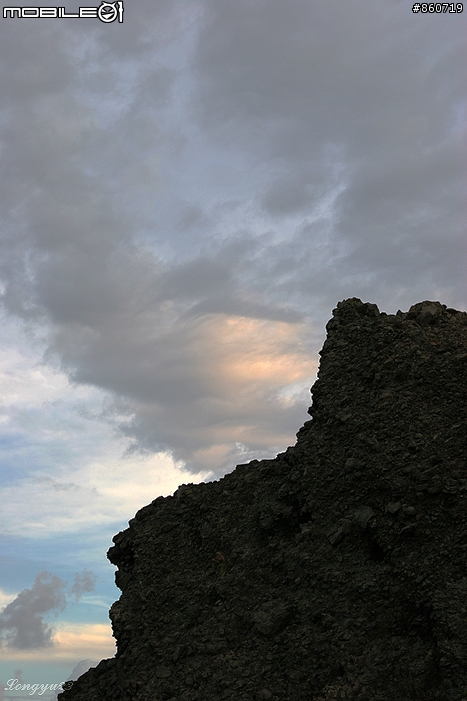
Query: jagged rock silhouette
[[336, 570]]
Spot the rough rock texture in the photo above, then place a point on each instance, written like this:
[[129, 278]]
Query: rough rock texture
[[336, 570]]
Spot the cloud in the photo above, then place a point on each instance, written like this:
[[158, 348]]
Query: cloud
[[104, 496], [18, 674], [21, 622], [313, 87], [287, 195], [78, 640], [228, 402], [22, 626], [163, 352], [72, 642], [57, 442], [118, 318], [179, 226], [83, 583]]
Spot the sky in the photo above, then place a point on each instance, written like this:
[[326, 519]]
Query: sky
[[185, 196]]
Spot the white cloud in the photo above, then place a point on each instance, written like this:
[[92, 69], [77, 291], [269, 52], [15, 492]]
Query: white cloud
[[40, 506], [67, 468], [5, 598]]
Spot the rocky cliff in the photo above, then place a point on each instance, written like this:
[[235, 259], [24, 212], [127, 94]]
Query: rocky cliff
[[336, 570]]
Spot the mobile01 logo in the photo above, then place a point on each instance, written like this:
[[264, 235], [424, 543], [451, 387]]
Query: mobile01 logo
[[106, 12]]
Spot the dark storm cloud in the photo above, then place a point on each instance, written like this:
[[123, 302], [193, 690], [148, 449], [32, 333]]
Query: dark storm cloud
[[315, 73], [363, 86], [185, 198]]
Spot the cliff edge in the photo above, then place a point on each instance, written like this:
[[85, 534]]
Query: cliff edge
[[337, 570]]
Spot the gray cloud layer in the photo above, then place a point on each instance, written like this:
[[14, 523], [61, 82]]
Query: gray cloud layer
[[184, 199]]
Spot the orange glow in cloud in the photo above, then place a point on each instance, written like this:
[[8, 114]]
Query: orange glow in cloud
[[71, 642], [94, 641], [255, 369], [252, 351]]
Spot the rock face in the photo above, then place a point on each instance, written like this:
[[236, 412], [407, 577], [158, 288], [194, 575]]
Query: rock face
[[336, 570]]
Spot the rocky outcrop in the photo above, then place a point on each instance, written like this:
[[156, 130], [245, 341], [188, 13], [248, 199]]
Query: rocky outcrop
[[336, 570]]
